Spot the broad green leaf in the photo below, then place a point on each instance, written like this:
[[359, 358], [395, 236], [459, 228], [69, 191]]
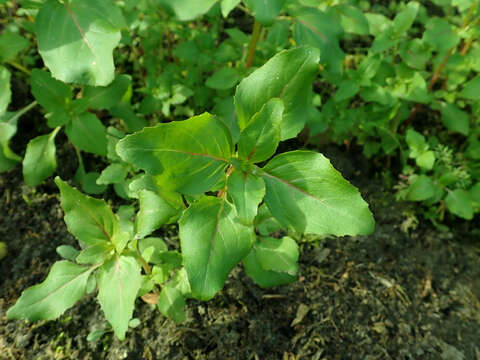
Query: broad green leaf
[[189, 9], [279, 255], [474, 194], [223, 79], [316, 28], [90, 220], [213, 241], [463, 4], [5, 92], [78, 46], [154, 212], [265, 223], [228, 5], [125, 112], [118, 283], [39, 161], [305, 193], [113, 174], [10, 45], [473, 149], [421, 189], [288, 76], [265, 12], [65, 284], [455, 119], [471, 90], [87, 132], [459, 203], [6, 163], [171, 303], [404, 19], [150, 248], [96, 254], [440, 35], [225, 110], [247, 191], [190, 156], [107, 97], [261, 136], [52, 94], [352, 19], [378, 23], [262, 277]]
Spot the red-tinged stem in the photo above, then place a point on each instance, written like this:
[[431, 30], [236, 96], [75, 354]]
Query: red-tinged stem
[[253, 43]]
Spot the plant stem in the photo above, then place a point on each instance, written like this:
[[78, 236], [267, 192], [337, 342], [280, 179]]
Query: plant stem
[[18, 66], [22, 112], [253, 43]]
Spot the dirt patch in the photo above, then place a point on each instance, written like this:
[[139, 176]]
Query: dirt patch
[[391, 295]]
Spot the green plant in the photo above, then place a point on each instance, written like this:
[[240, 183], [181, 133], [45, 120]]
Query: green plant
[[196, 173]]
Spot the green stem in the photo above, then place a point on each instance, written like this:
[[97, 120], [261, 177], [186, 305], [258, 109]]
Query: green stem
[[18, 66], [17, 115], [253, 43]]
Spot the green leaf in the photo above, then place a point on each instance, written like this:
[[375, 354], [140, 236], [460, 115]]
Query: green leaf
[[78, 46], [107, 97], [279, 255], [455, 119], [265, 12], [459, 203], [171, 303], [39, 161], [90, 220], [154, 212], [118, 283], [288, 76], [96, 254], [262, 277], [352, 20], [247, 191], [471, 90], [113, 174], [190, 155], [88, 181], [52, 94], [65, 284], [10, 45], [150, 248], [67, 252], [474, 195], [440, 35], [421, 189], [305, 193], [5, 92], [426, 160], [213, 241], [316, 28], [189, 9], [416, 142], [415, 53], [346, 89], [223, 79], [228, 5], [404, 19], [87, 132], [261, 136]]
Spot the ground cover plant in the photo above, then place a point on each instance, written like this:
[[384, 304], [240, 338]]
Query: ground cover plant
[[243, 87]]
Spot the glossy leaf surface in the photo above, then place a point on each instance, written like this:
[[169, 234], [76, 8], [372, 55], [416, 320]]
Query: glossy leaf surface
[[81, 52], [65, 284], [305, 193], [288, 76], [90, 220], [213, 241], [189, 155], [118, 283]]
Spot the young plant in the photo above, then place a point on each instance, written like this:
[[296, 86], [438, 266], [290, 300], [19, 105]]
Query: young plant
[[214, 184]]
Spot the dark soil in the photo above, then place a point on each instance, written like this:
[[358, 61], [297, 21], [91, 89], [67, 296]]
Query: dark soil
[[401, 293]]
